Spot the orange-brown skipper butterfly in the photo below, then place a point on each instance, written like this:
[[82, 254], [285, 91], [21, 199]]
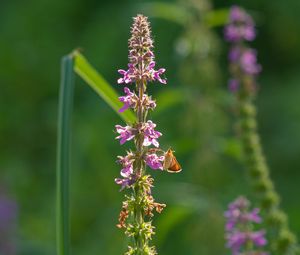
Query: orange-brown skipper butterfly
[[170, 163]]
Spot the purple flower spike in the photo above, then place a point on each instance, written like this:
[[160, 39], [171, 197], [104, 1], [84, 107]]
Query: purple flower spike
[[154, 161], [139, 205], [242, 59], [150, 135], [126, 133]]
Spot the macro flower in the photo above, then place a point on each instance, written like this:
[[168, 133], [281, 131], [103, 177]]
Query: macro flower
[[150, 135], [154, 161], [127, 133], [239, 228]]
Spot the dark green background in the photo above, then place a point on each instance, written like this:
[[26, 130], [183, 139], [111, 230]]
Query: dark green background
[[195, 116]]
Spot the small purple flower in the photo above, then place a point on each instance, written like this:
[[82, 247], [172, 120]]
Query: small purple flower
[[240, 27], [129, 177], [125, 182], [150, 135], [148, 103], [155, 74], [248, 62], [127, 133], [154, 161], [129, 100]]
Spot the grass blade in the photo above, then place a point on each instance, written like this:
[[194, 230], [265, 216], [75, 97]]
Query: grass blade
[[63, 154], [83, 68]]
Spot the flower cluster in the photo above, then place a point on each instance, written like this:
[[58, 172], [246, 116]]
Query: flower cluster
[[141, 45], [243, 60], [241, 238], [241, 26], [138, 207], [130, 100]]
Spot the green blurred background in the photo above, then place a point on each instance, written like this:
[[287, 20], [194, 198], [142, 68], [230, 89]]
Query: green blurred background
[[195, 114]]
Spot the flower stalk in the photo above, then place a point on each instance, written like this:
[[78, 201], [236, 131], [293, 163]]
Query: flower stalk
[[139, 205], [244, 70]]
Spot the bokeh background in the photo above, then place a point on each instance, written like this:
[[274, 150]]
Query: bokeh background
[[195, 114]]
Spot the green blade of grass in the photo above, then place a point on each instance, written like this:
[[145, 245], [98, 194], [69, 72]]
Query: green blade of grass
[[83, 68], [63, 154]]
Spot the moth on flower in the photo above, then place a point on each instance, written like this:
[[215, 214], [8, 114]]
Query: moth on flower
[[170, 163]]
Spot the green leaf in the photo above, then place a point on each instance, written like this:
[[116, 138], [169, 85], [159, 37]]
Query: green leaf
[[95, 80], [63, 154]]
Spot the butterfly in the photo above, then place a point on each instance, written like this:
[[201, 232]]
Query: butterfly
[[170, 163]]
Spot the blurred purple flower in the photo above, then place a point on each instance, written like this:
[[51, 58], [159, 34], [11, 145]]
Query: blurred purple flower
[[248, 62], [242, 60], [240, 26], [239, 227]]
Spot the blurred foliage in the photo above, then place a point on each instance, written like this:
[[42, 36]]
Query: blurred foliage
[[194, 114]]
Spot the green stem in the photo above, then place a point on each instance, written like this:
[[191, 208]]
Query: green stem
[[63, 154], [140, 241], [258, 171]]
